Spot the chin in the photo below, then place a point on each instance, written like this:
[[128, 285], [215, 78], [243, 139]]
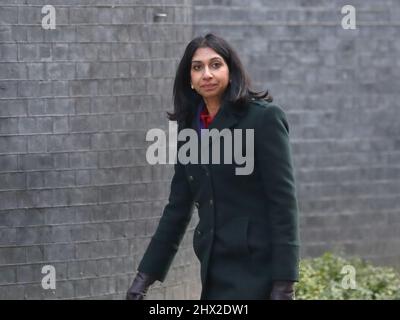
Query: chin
[[210, 94]]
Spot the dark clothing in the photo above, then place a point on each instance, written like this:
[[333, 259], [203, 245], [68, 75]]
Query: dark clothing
[[247, 235]]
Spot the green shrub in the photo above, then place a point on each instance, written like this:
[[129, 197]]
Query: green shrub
[[321, 279]]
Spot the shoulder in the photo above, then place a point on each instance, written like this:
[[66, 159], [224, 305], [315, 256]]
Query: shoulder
[[269, 118], [266, 111]]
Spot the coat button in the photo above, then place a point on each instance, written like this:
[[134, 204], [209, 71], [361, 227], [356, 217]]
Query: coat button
[[197, 205], [191, 178], [211, 202]]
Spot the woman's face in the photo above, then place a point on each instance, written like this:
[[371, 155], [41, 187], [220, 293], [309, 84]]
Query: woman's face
[[209, 73]]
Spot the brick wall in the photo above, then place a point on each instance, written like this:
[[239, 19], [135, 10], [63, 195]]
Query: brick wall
[[76, 102], [340, 91]]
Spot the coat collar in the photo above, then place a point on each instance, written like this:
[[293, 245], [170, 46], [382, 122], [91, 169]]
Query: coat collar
[[227, 117]]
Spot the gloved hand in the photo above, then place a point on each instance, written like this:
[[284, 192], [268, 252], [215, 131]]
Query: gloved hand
[[282, 290], [139, 287]]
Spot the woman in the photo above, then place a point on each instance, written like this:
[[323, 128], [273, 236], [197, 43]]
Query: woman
[[247, 236]]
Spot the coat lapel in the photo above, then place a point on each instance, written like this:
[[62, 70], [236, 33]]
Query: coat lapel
[[226, 117]]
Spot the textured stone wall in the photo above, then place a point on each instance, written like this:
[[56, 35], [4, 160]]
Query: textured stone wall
[[76, 102]]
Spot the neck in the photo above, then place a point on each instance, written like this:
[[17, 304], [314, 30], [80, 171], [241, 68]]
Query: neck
[[213, 105]]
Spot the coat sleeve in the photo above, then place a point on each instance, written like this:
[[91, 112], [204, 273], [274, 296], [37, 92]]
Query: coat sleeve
[[273, 154], [171, 228]]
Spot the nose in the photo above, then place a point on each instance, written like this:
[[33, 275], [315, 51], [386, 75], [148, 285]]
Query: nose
[[207, 74]]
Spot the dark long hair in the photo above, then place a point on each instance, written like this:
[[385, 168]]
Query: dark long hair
[[238, 91]]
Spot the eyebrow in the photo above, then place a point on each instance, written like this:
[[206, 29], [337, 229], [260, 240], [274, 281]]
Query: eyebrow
[[214, 58]]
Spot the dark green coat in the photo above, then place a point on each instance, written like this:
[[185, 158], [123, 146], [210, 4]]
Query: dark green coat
[[247, 235]]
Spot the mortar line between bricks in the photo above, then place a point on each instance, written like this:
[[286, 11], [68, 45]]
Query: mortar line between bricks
[[78, 150], [150, 182], [73, 279], [355, 212], [89, 186], [100, 42], [75, 169], [88, 61], [92, 222], [346, 183], [305, 201], [79, 205], [320, 199], [82, 96], [359, 197], [298, 24], [338, 228], [89, 205], [140, 148], [343, 168], [382, 8], [123, 293], [348, 213], [93, 297], [303, 184], [75, 150], [297, 38], [324, 168], [302, 140], [130, 256], [352, 152], [98, 24], [174, 282], [81, 186], [83, 79], [357, 242], [73, 132], [321, 184], [74, 243], [47, 115], [213, 23], [294, 8], [306, 169], [106, 6]]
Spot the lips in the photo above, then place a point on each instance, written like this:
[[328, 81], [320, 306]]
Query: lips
[[209, 86]]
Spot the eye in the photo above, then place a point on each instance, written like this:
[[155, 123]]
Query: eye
[[196, 67], [216, 65]]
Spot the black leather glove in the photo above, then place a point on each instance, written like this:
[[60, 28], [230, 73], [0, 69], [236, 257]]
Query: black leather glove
[[139, 287], [282, 290]]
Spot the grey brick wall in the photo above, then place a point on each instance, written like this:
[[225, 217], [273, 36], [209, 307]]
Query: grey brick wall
[[76, 102], [340, 91]]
